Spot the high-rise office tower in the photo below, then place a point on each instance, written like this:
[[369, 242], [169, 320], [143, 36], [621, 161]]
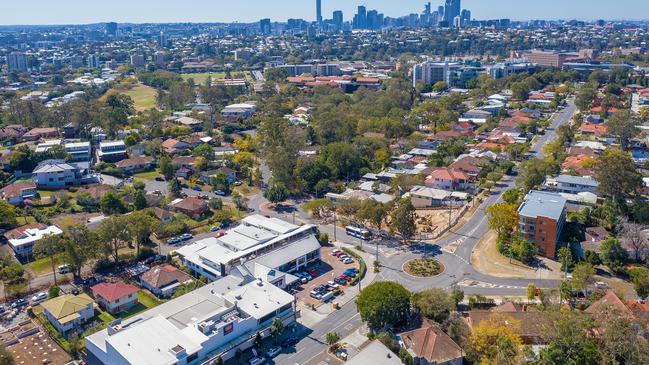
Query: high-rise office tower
[[427, 8], [93, 61], [264, 26], [451, 10], [440, 10], [111, 29], [17, 61], [162, 40], [361, 18], [318, 11], [338, 20], [466, 17], [137, 61]]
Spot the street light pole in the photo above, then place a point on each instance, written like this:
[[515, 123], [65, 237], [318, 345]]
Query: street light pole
[[335, 239]]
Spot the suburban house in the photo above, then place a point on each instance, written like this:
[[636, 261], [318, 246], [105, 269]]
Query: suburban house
[[470, 165], [541, 218], [37, 133], [163, 280], [111, 151], [429, 345], [423, 197], [17, 192], [449, 179], [597, 130], [22, 239], [162, 214], [56, 174], [238, 111], [594, 236], [192, 123], [174, 146], [135, 164], [219, 319], [78, 151], [115, 297], [68, 312], [191, 206], [230, 175], [572, 184]]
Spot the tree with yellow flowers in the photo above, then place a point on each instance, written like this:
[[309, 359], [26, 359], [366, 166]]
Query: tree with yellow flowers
[[496, 341]]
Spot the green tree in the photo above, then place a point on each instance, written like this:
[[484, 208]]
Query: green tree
[[110, 203], [204, 150], [81, 246], [384, 304], [640, 279], [582, 275], [332, 339], [613, 254], [617, 175], [402, 219], [53, 291], [113, 234], [166, 167], [585, 97], [565, 257], [433, 304], [5, 357], [276, 193], [568, 340], [49, 247], [174, 187], [530, 292], [240, 201], [276, 328], [7, 215], [373, 211], [457, 295], [523, 250], [502, 217], [139, 200], [512, 196], [623, 125], [140, 226]]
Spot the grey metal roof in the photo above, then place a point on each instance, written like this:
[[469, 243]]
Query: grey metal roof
[[577, 180], [290, 252], [542, 203]]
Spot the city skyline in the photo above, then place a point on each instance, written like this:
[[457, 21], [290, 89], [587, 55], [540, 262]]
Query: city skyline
[[247, 11]]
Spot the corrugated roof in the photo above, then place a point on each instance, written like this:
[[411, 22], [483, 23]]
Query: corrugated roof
[[542, 203]]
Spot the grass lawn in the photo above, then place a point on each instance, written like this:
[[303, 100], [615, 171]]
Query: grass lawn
[[145, 301], [25, 220], [199, 78], [44, 265], [144, 97], [149, 175]]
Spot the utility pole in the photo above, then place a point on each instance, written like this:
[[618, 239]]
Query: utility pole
[[335, 239]]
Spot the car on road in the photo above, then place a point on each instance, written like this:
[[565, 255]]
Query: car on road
[[64, 269], [290, 341], [173, 240], [186, 236], [256, 360], [273, 351], [214, 229], [19, 303], [39, 297]]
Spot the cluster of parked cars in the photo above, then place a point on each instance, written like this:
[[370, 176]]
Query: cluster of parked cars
[[342, 256], [181, 238], [326, 291], [306, 275]]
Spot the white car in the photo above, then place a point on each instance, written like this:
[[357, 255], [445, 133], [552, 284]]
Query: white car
[[333, 284], [348, 260], [273, 351], [256, 361], [39, 297]]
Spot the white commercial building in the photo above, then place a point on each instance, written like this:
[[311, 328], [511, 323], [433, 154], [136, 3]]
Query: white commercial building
[[111, 151], [214, 320], [269, 242]]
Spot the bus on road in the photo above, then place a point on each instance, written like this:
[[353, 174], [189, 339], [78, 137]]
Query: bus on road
[[361, 233]]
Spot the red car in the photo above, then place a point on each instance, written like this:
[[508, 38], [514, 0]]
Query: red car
[[345, 277], [338, 254], [312, 272]]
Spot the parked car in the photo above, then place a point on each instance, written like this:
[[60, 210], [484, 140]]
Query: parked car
[[214, 229], [315, 294], [173, 241], [256, 361], [346, 277], [306, 275], [340, 281], [290, 341], [64, 269], [302, 278], [197, 188], [335, 252], [159, 178], [19, 303], [312, 272], [350, 272], [39, 297], [348, 260], [273, 351], [157, 192], [186, 236], [237, 183], [332, 284], [184, 185]]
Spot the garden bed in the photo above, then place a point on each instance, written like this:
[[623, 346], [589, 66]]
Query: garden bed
[[423, 267]]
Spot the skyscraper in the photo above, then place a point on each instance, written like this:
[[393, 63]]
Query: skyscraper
[[360, 20], [264, 26], [111, 29], [338, 20], [318, 11], [452, 10], [17, 61], [162, 40], [93, 61], [466, 17]]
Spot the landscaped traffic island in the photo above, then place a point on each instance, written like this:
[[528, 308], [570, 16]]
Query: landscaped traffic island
[[423, 267]]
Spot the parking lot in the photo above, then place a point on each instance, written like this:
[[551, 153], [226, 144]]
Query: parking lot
[[328, 269]]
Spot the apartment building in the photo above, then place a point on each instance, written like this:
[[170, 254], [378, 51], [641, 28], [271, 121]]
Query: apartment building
[[111, 151], [541, 218], [216, 320], [571, 184]]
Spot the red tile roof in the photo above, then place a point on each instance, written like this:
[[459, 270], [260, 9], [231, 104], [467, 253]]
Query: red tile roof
[[113, 291], [432, 344]]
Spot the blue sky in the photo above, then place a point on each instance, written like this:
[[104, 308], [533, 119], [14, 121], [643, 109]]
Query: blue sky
[[92, 11]]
